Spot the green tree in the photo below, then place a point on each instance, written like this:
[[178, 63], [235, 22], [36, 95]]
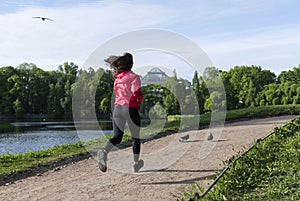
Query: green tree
[[171, 104], [204, 94], [38, 89], [20, 85], [231, 96], [56, 93], [18, 108], [216, 100], [175, 94], [66, 99], [190, 105], [104, 91], [84, 94], [70, 70], [268, 94], [196, 89], [152, 94], [158, 112], [6, 98], [105, 105], [240, 78], [290, 76], [68, 73], [251, 95]]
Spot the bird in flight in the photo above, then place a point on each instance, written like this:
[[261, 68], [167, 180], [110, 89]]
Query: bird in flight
[[43, 18]]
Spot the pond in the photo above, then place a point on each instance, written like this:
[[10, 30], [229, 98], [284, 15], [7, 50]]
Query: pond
[[35, 136]]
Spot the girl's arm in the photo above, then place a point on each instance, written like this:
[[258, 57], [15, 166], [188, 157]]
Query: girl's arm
[[136, 90]]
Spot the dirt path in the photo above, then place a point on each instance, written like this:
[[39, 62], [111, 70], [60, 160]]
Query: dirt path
[[84, 181]]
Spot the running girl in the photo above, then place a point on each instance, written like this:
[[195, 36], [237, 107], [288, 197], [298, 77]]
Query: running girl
[[128, 98]]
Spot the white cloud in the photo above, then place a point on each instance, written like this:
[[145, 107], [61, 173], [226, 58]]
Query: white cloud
[[275, 48], [78, 30], [74, 34], [254, 39]]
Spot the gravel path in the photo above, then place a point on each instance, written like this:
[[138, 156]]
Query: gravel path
[[178, 165]]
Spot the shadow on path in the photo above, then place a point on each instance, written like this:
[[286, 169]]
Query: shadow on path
[[185, 181], [168, 170]]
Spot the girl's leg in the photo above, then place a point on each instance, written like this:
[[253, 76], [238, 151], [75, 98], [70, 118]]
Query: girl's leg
[[134, 123], [118, 127]]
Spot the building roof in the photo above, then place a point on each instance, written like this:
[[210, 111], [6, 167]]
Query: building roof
[[154, 76]]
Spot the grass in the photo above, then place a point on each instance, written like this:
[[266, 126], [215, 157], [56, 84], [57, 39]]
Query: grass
[[245, 113], [238, 114], [264, 111], [13, 163], [270, 171]]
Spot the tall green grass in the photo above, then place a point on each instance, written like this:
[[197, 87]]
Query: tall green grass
[[270, 171]]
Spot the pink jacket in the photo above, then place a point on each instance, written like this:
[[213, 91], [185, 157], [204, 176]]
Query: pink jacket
[[127, 90]]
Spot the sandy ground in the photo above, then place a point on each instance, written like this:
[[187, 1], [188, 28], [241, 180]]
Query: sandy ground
[[170, 166]]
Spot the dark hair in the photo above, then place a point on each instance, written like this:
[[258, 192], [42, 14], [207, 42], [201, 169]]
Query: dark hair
[[120, 63]]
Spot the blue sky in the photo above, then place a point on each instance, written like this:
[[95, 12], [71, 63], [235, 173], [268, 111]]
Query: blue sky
[[231, 32]]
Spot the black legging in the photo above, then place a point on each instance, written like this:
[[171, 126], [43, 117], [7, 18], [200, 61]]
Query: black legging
[[121, 115]]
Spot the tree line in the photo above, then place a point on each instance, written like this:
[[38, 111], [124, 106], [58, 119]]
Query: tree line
[[240, 87], [28, 89]]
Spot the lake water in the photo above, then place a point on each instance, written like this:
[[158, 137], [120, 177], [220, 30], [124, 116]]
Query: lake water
[[35, 136]]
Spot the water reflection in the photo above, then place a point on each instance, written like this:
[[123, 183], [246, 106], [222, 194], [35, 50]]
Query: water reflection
[[35, 136]]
